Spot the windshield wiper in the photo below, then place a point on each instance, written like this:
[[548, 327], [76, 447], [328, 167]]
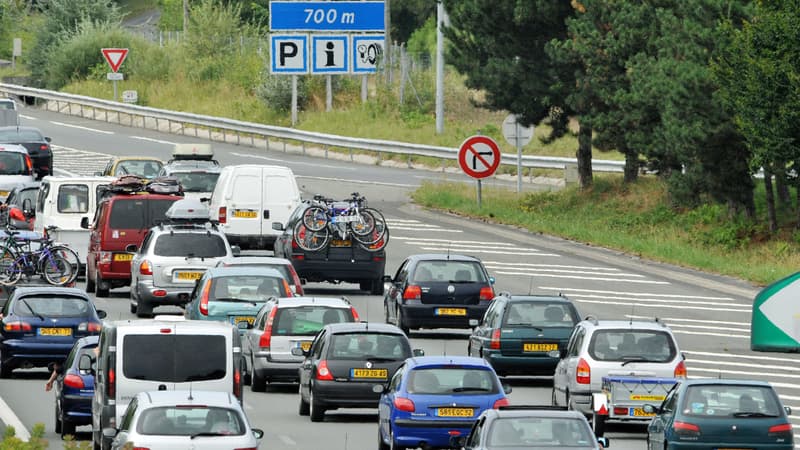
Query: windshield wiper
[[525, 324], [470, 389], [234, 300], [207, 434], [632, 359], [30, 308], [752, 414]]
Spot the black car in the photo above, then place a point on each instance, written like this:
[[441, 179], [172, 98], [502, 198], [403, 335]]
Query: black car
[[16, 213], [438, 291], [340, 261], [37, 144], [522, 334], [345, 362]]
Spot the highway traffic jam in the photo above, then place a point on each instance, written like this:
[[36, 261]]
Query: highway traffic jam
[[172, 301]]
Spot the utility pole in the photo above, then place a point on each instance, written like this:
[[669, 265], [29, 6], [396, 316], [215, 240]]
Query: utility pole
[[387, 54], [185, 17], [441, 18]]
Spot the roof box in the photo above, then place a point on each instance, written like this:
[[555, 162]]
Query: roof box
[[192, 151], [187, 210]]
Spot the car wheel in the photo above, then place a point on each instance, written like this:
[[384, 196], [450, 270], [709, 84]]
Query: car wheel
[[386, 312], [315, 410], [58, 419], [377, 287], [302, 409], [5, 369], [102, 287], [381, 445], [67, 428], [401, 323], [143, 309], [365, 285], [90, 286], [566, 401], [133, 308], [257, 383], [598, 424], [393, 442], [553, 400]]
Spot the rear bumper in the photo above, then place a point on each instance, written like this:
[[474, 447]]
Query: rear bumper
[[18, 353], [77, 408], [435, 433], [252, 241], [174, 296], [351, 270], [346, 394], [521, 365], [424, 315], [276, 370]]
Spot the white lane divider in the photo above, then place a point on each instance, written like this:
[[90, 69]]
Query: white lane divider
[[28, 117], [633, 294], [283, 161], [142, 138], [82, 128], [11, 420]]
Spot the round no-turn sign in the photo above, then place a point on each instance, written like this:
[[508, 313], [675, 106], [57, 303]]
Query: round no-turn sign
[[479, 156]]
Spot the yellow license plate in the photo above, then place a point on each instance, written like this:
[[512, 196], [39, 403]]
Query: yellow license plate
[[340, 243], [369, 373], [55, 331], [451, 311], [123, 256], [245, 214], [188, 275], [531, 347], [3, 193], [305, 345], [454, 412], [248, 319], [639, 412]]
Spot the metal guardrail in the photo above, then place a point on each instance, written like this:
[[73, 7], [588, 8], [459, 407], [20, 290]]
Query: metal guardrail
[[267, 132]]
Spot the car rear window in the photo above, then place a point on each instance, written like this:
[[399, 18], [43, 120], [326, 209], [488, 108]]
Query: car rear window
[[308, 320], [725, 400], [366, 345], [130, 214], [631, 344], [73, 198], [26, 194], [12, 163], [248, 287], [539, 314], [12, 135], [540, 432], [51, 306], [172, 358], [190, 420], [449, 272], [197, 181], [452, 380], [199, 245]]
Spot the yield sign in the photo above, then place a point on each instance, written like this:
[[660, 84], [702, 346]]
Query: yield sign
[[115, 57], [479, 156]]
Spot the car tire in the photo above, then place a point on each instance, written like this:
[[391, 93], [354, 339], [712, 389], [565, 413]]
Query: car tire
[[133, 308], [5, 369], [315, 411], [303, 407], [257, 383], [553, 397], [381, 445], [385, 312], [393, 443], [67, 428], [598, 425], [90, 285], [57, 427], [142, 309], [101, 287], [401, 323], [365, 285], [377, 287]]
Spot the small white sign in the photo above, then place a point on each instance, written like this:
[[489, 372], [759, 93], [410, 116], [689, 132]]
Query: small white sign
[[516, 134], [130, 96], [17, 50], [329, 54], [114, 76], [289, 53], [367, 52]]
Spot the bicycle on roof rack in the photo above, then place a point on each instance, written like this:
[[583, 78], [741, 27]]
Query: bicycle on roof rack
[[326, 219]]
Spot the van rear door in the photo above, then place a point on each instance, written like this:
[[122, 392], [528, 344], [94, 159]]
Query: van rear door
[[243, 200], [280, 198]]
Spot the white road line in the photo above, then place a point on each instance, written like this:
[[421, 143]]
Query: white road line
[[444, 248], [457, 245], [665, 300], [444, 230], [403, 220], [442, 241], [570, 277], [550, 266], [283, 161], [82, 128], [696, 333], [676, 319], [345, 180], [287, 440], [81, 151], [574, 271], [153, 140], [28, 117], [64, 173], [634, 294], [746, 374], [652, 305], [755, 357], [709, 327], [741, 364], [10, 419]]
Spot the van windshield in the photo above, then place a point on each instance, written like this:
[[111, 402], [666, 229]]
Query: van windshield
[[130, 213], [172, 358]]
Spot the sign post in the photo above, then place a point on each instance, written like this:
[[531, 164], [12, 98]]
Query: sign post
[[479, 157], [114, 57], [518, 136], [16, 50]]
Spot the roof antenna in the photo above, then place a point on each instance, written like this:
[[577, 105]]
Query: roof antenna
[[530, 288], [449, 243], [633, 307], [190, 392]]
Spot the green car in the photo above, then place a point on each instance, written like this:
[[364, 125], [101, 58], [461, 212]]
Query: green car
[[235, 294]]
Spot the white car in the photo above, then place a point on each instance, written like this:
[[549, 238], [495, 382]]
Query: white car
[[184, 419]]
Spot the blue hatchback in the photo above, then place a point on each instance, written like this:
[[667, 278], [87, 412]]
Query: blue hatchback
[[75, 389], [432, 398]]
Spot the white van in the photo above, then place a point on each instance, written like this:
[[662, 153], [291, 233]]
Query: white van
[[249, 198], [165, 353], [63, 202]]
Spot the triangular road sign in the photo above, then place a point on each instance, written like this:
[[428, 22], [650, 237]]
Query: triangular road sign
[[115, 57]]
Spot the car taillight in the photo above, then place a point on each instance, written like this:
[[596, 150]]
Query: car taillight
[[404, 404], [246, 448], [44, 147], [301, 234], [494, 344], [204, 298], [412, 292], [91, 327], [111, 384], [487, 293], [237, 383], [322, 371], [500, 402], [680, 370], [141, 448], [583, 374], [145, 268], [74, 381], [222, 216], [266, 337], [784, 428], [16, 214], [620, 411], [355, 314], [28, 163], [287, 289], [17, 326], [685, 428], [298, 285]]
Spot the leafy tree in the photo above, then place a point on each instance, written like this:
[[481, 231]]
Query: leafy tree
[[407, 16], [253, 12]]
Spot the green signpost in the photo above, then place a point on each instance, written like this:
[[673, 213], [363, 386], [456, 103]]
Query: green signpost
[[775, 323]]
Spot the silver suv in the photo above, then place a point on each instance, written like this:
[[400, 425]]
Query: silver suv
[[174, 255], [613, 348]]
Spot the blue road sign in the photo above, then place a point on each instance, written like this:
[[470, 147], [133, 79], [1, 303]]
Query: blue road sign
[[326, 16]]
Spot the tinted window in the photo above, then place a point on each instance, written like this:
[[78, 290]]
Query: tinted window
[[197, 181], [724, 400], [364, 345], [200, 245], [540, 432], [174, 358], [190, 420], [147, 169], [44, 190], [539, 314], [73, 198], [25, 194], [248, 287], [449, 271], [452, 380], [12, 135], [308, 320], [51, 306], [130, 213], [12, 163], [157, 211], [619, 345]]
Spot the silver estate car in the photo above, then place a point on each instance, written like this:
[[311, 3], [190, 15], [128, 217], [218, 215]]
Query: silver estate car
[[184, 419]]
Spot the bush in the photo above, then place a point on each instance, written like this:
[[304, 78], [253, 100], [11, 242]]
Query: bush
[[276, 92]]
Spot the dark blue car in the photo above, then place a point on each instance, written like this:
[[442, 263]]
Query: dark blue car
[[75, 388], [40, 324]]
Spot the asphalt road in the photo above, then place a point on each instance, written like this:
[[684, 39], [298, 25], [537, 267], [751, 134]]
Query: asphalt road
[[710, 315]]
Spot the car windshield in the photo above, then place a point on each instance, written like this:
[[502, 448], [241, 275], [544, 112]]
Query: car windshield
[[190, 421], [726, 400], [449, 271], [369, 345], [198, 245], [632, 345], [539, 314], [12, 163], [540, 432], [452, 380], [11, 135], [51, 306], [197, 181], [308, 320], [142, 168], [248, 287]]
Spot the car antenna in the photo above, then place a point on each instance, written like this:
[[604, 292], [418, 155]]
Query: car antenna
[[449, 243], [190, 391], [530, 288]]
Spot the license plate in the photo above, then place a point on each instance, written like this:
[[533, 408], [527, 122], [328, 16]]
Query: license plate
[[344, 219], [639, 412], [248, 319], [123, 256], [340, 243], [55, 331], [3, 193], [531, 347], [451, 311], [188, 275], [369, 373], [454, 412], [245, 214], [305, 345]]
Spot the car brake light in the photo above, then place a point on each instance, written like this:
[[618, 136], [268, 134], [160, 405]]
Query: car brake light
[[583, 374], [111, 386], [685, 428], [91, 327], [780, 429], [404, 404], [287, 289], [412, 292], [222, 217], [266, 337], [237, 383], [160, 293], [355, 314], [500, 402], [322, 371], [494, 344], [17, 326], [145, 268], [44, 147], [301, 234], [621, 411], [487, 293], [16, 214], [680, 370], [204, 298], [74, 381]]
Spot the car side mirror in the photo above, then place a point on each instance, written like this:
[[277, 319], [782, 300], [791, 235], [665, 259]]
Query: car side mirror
[[473, 323], [85, 363], [131, 248], [85, 223], [418, 352], [491, 280], [788, 410], [243, 325], [650, 409], [603, 441], [458, 441], [258, 433], [277, 226], [236, 250], [297, 351], [48, 139], [101, 314], [387, 279], [683, 356], [506, 388], [207, 200]]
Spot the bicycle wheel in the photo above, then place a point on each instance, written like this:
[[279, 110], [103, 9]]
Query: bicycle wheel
[[378, 245], [12, 273], [364, 225], [378, 232], [315, 218], [7, 259], [57, 270], [310, 241], [70, 255]]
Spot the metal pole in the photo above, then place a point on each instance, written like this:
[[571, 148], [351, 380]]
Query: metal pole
[[387, 65], [363, 89], [519, 157], [479, 193], [328, 94], [440, 17], [294, 100], [115, 89]]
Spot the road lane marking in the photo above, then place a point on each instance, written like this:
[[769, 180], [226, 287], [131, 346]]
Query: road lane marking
[[568, 269], [28, 117], [444, 230], [649, 305], [741, 364], [634, 294], [154, 140], [571, 277], [550, 266], [8, 417], [745, 374], [445, 248], [755, 357], [445, 241], [94, 130], [64, 173], [283, 161], [665, 300], [345, 180], [676, 319], [287, 440]]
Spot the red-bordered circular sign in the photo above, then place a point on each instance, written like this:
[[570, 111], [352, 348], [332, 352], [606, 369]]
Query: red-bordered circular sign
[[479, 156]]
